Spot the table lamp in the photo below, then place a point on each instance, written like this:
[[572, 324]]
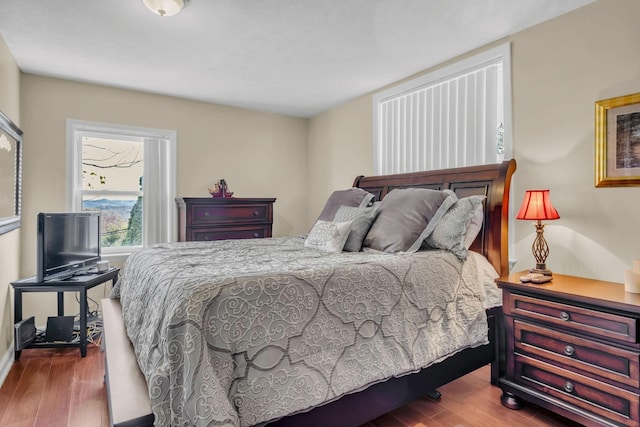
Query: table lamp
[[537, 206]]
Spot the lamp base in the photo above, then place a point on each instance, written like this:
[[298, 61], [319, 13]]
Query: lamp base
[[544, 271]]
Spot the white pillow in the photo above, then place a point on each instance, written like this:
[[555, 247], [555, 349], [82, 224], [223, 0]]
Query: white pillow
[[328, 236]]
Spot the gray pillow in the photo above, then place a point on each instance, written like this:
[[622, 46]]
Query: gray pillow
[[451, 231], [475, 225], [362, 218], [356, 197], [407, 216]]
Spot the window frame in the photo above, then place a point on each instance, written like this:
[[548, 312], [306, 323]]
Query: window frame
[[159, 147]]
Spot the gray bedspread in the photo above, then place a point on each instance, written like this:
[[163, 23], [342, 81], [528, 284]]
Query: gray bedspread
[[240, 332]]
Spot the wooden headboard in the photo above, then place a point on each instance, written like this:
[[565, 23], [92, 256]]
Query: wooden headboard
[[492, 181]]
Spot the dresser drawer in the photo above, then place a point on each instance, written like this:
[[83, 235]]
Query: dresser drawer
[[606, 325], [203, 214], [201, 234], [606, 361], [604, 400]]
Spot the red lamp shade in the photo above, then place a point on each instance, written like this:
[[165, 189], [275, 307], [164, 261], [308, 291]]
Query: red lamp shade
[[537, 206]]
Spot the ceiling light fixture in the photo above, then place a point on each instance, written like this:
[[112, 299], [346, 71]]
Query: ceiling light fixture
[[165, 7]]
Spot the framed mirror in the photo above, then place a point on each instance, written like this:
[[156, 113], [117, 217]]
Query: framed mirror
[[10, 174]]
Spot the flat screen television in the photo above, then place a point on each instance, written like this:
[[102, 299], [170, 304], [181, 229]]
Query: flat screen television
[[68, 244]]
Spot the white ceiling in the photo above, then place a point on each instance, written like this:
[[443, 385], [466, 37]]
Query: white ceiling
[[296, 57]]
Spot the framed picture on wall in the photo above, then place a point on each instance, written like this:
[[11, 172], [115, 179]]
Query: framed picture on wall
[[10, 174], [617, 128]]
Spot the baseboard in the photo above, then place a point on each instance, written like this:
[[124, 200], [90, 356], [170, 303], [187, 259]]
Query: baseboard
[[5, 363]]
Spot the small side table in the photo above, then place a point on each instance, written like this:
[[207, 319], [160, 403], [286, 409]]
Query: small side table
[[75, 284]]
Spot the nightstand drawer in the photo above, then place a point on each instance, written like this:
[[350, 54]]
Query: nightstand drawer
[[615, 404], [606, 361], [202, 214], [606, 325]]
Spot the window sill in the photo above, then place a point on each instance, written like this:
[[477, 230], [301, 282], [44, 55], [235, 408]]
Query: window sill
[[116, 259]]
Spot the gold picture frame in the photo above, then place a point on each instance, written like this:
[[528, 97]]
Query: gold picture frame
[[617, 129]]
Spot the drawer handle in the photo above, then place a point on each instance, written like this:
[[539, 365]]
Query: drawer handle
[[564, 315], [568, 387], [569, 350], [256, 213], [256, 234], [206, 237], [206, 214]]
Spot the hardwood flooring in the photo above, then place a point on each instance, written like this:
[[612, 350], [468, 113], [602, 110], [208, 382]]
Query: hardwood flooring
[[57, 387], [469, 401]]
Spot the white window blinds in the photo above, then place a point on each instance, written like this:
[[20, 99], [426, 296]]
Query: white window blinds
[[457, 116]]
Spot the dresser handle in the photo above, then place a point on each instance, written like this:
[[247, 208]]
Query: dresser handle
[[568, 387], [569, 350], [206, 214], [564, 315], [256, 234], [256, 213]]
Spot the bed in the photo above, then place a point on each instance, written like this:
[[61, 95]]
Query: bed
[[294, 336]]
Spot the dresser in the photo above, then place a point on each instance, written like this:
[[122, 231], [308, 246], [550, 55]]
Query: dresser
[[202, 219], [572, 347]]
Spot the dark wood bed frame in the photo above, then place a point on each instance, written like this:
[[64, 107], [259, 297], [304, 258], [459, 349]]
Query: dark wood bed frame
[[126, 389], [492, 181]]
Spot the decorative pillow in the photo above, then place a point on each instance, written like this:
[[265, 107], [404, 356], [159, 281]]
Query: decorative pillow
[[407, 216], [362, 219], [328, 236], [475, 225], [356, 197], [450, 232]]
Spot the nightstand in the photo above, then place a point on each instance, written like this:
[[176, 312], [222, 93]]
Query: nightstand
[[572, 347]]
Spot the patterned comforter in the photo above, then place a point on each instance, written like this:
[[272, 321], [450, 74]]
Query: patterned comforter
[[240, 332]]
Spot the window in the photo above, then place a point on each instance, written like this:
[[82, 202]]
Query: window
[[457, 116], [128, 174]]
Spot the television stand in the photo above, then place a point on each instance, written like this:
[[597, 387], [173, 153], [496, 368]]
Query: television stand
[[73, 284]]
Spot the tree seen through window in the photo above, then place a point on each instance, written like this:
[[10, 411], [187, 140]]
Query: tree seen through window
[[112, 184]]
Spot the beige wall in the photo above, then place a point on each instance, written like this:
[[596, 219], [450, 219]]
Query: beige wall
[[339, 150], [560, 68], [9, 242], [259, 154]]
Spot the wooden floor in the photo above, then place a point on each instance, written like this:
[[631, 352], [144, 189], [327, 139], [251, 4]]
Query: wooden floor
[[57, 387]]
